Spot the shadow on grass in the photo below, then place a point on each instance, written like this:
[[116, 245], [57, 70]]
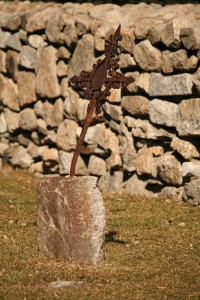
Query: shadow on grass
[[111, 238]]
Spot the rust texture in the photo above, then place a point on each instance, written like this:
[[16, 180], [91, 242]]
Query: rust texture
[[97, 84]]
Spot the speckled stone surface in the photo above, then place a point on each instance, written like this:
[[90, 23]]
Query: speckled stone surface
[[71, 219]]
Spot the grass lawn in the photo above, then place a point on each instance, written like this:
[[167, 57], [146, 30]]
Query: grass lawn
[[152, 249]]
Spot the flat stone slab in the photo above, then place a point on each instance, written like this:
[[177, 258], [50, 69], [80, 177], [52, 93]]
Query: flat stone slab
[[71, 219], [175, 85]]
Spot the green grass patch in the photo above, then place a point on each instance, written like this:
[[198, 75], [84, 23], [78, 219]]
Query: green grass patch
[[152, 249]]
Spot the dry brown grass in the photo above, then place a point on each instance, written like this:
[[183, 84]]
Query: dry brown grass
[[152, 250]]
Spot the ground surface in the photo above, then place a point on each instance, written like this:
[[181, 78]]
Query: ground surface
[[152, 250]]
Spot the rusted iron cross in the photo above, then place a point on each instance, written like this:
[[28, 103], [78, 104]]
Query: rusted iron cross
[[97, 84]]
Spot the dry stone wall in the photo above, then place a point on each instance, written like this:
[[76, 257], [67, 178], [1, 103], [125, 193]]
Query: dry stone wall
[[150, 140]]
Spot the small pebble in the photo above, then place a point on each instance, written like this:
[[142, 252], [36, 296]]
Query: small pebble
[[64, 283]]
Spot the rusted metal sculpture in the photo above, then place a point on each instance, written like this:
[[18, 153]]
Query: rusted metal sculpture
[[97, 85]]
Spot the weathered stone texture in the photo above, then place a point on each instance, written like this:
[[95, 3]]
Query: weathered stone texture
[[136, 105], [9, 93], [191, 192], [27, 57], [188, 118], [62, 203], [27, 119], [191, 168], [185, 148], [26, 88], [163, 112], [175, 85], [66, 135], [83, 57], [12, 60], [97, 166], [46, 79], [147, 56], [170, 170]]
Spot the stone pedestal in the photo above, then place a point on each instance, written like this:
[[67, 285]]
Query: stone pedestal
[[71, 219]]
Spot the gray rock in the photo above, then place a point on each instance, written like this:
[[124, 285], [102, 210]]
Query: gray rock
[[191, 192], [23, 36], [53, 29], [61, 236], [42, 126], [171, 35], [13, 22], [127, 149], [14, 42], [65, 159], [27, 119], [188, 117], [53, 113], [64, 86], [12, 60], [143, 129], [190, 37], [66, 135], [20, 157], [99, 44], [12, 120], [163, 112], [143, 82], [136, 105], [128, 40], [82, 24], [175, 85], [133, 88], [35, 137], [178, 61], [47, 153], [2, 62], [27, 57], [147, 161], [81, 109], [186, 149], [63, 53], [26, 88], [62, 69], [136, 186], [37, 167], [97, 166], [147, 56], [196, 80], [71, 103], [33, 150], [4, 36], [172, 192], [38, 20], [24, 139], [3, 126], [46, 79], [111, 183], [191, 169], [115, 96], [114, 111], [69, 33], [83, 56], [170, 170], [126, 61], [36, 41], [9, 93]]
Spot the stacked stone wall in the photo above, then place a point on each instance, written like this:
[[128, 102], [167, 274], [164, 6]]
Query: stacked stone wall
[[150, 140]]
